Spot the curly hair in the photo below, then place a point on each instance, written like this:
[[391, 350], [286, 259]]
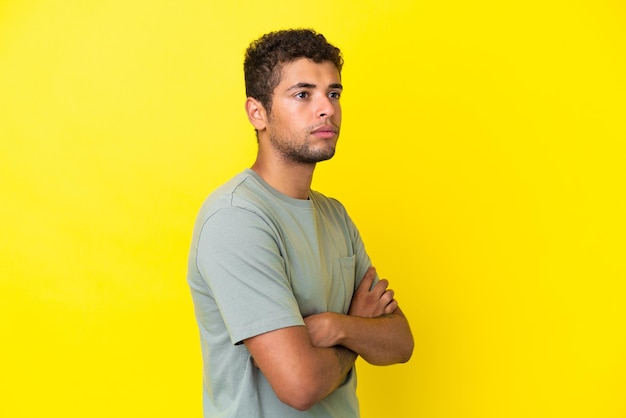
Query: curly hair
[[266, 56]]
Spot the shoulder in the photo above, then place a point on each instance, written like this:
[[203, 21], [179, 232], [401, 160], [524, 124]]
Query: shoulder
[[242, 206], [242, 192]]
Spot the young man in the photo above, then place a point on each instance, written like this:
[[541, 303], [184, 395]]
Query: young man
[[284, 293]]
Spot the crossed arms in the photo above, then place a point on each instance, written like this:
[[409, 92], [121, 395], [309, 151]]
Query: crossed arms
[[305, 364]]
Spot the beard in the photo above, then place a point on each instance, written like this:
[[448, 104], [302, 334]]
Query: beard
[[303, 152]]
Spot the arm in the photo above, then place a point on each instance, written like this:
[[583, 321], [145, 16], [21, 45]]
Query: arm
[[380, 341], [245, 274], [375, 327], [299, 373]]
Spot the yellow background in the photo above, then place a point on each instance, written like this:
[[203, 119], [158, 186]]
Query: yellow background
[[482, 156]]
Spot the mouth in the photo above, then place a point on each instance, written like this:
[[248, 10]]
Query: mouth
[[325, 131]]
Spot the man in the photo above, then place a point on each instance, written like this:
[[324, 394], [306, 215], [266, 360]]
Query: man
[[284, 292]]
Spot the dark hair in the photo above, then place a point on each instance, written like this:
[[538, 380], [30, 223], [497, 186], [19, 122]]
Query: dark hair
[[266, 56]]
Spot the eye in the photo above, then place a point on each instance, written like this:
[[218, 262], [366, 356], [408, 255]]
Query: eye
[[302, 95], [334, 95]]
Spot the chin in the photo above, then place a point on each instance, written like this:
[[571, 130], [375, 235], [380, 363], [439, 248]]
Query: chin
[[326, 155], [313, 159]]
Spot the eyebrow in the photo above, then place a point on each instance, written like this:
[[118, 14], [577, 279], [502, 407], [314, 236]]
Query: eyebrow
[[311, 86]]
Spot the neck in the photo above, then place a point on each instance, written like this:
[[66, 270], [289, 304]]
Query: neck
[[293, 180]]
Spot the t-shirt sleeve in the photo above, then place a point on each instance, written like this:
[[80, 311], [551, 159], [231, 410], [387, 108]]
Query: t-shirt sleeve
[[239, 259]]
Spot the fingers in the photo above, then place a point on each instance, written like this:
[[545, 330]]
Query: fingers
[[368, 279], [388, 301], [380, 287], [391, 307], [387, 297], [373, 301]]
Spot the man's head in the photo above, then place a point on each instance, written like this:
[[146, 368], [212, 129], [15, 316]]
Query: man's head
[[267, 55]]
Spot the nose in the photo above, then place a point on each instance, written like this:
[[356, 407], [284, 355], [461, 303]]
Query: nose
[[325, 107]]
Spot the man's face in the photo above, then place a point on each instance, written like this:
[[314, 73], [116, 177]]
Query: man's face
[[303, 125]]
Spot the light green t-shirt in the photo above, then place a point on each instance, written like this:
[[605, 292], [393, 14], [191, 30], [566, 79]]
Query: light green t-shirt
[[261, 261]]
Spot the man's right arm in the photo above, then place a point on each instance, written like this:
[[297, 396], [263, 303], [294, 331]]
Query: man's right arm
[[299, 373]]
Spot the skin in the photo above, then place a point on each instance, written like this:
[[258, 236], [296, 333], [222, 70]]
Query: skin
[[297, 113], [305, 364]]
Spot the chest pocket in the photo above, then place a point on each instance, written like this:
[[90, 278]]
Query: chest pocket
[[328, 289], [344, 284]]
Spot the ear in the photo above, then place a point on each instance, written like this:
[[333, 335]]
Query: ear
[[256, 113]]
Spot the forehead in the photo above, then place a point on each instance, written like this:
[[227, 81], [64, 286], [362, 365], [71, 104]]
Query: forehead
[[304, 70]]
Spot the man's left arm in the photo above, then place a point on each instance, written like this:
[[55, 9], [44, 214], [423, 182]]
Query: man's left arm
[[375, 327]]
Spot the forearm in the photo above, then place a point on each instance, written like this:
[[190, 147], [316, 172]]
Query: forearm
[[383, 340], [331, 365], [300, 373]]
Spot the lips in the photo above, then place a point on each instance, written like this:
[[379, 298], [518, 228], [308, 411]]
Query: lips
[[325, 131]]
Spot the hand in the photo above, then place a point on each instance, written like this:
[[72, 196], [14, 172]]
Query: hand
[[321, 330], [375, 302]]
